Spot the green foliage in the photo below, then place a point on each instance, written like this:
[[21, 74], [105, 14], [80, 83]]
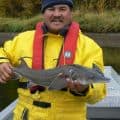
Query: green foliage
[[96, 5], [17, 24], [19, 8], [93, 22], [109, 21], [28, 8]]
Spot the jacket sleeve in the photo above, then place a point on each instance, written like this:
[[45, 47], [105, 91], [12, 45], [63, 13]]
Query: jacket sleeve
[[19, 46], [91, 53], [4, 54], [7, 51]]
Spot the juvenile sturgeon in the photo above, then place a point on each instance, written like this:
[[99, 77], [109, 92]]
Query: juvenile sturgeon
[[56, 78]]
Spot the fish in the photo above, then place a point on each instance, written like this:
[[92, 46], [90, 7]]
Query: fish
[[87, 75], [83, 75], [55, 78]]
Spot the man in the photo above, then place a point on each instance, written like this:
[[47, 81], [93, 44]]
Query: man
[[56, 41]]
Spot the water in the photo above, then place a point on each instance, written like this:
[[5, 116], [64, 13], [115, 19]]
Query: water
[[8, 92]]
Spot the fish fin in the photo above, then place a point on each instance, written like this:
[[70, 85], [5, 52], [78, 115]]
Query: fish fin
[[96, 68], [23, 64]]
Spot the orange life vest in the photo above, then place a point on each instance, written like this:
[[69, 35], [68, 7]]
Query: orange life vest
[[70, 44]]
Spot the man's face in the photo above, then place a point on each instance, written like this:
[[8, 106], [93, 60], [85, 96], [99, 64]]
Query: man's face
[[56, 17]]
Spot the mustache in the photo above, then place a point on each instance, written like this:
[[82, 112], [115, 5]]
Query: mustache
[[60, 19]]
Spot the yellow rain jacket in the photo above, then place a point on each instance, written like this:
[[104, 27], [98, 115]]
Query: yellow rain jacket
[[64, 105]]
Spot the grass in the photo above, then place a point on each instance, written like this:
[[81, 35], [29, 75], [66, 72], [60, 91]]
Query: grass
[[17, 24], [100, 23], [89, 22]]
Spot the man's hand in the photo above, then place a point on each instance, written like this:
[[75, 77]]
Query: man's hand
[[5, 72], [76, 86]]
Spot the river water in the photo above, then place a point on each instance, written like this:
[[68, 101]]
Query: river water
[[8, 92]]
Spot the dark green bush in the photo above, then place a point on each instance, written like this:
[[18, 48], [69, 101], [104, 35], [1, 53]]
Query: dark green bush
[[19, 8], [28, 8]]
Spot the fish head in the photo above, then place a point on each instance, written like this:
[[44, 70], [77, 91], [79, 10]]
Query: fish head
[[91, 75]]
